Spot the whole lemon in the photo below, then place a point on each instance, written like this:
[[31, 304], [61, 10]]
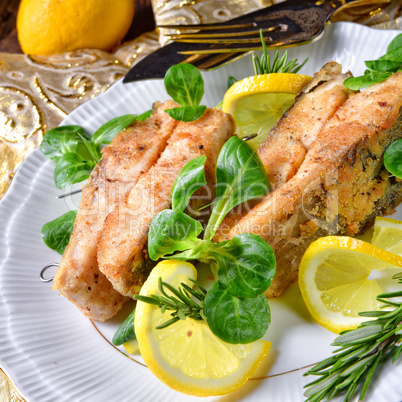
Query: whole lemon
[[56, 26]]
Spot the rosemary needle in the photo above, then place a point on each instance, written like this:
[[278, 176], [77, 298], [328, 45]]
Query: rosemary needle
[[181, 301], [360, 352], [279, 65]]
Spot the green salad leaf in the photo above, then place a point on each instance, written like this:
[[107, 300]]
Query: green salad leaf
[[380, 69], [71, 168], [382, 65], [186, 113], [391, 62], [172, 231], [240, 176], [369, 78], [105, 133], [64, 139], [56, 234], [184, 83], [243, 263], [126, 331], [231, 81], [395, 43], [393, 158], [234, 319], [188, 181]]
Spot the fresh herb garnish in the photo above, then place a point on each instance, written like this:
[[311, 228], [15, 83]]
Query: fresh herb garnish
[[181, 302], [393, 158], [75, 152], [72, 168], [105, 134], [56, 234], [360, 352], [231, 81], [240, 176], [244, 265], [184, 83], [126, 331], [379, 70], [235, 319], [279, 65]]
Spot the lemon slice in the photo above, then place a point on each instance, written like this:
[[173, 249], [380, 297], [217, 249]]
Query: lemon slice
[[131, 346], [186, 355], [334, 280], [388, 235], [256, 103]]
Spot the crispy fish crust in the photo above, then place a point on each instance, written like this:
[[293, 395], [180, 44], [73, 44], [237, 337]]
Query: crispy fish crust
[[341, 185], [122, 247], [131, 153], [286, 146]]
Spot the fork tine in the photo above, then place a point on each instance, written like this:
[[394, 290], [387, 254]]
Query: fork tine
[[196, 35], [208, 61], [206, 27], [226, 41], [277, 44]]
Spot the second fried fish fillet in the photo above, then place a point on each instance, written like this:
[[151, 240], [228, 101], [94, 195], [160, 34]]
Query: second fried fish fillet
[[340, 187], [131, 153], [122, 247]]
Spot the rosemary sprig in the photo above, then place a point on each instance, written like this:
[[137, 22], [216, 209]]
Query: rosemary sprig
[[181, 301], [280, 65], [360, 352]]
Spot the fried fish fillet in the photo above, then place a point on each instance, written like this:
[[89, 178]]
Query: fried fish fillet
[[341, 185], [122, 247], [286, 146], [131, 153]]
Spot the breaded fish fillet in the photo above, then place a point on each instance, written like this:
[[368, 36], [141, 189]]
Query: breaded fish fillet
[[122, 248], [286, 146], [131, 153], [341, 185]]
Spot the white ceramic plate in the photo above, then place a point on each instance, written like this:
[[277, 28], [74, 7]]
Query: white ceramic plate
[[53, 353]]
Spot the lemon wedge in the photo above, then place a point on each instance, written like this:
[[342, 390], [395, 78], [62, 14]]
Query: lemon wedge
[[388, 235], [334, 280], [186, 355], [256, 103]]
